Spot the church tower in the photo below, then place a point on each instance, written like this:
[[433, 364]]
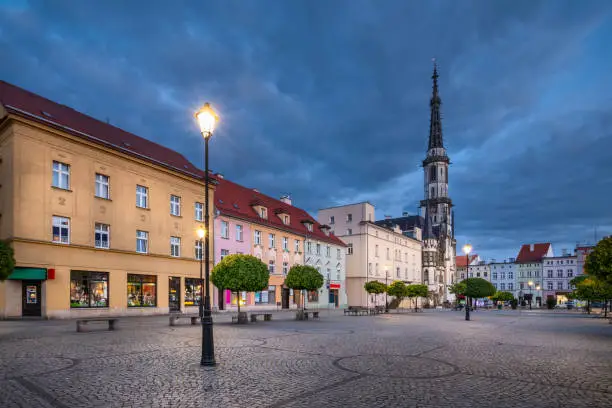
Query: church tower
[[436, 208]]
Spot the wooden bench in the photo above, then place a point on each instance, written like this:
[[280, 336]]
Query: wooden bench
[[80, 323], [266, 316], [356, 311], [175, 316]]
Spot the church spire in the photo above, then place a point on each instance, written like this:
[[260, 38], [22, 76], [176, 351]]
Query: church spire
[[435, 122]]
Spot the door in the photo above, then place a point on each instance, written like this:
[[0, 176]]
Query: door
[[31, 299], [174, 294], [285, 298], [333, 297]]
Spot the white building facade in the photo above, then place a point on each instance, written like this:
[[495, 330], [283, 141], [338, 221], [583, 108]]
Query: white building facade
[[558, 272], [503, 276], [374, 252], [529, 270], [330, 260]]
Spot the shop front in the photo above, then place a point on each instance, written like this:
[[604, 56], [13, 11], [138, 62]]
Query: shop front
[[28, 284]]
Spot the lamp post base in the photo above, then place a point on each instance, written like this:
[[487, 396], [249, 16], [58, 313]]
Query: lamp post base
[[208, 347]]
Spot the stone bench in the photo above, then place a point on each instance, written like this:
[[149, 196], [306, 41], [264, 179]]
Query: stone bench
[[176, 316], [80, 323], [266, 316]]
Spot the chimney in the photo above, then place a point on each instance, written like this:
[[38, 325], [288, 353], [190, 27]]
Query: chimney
[[220, 175], [286, 199], [256, 190], [405, 214], [531, 247]]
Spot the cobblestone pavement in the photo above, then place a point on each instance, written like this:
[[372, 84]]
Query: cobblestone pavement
[[435, 359]]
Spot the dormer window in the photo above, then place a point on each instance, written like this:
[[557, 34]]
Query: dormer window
[[263, 212], [309, 227], [286, 219]]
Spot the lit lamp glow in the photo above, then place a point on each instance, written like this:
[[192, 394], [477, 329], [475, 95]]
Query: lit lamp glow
[[201, 233], [207, 119]]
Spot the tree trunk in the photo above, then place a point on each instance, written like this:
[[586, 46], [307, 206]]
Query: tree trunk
[[238, 301], [588, 307]]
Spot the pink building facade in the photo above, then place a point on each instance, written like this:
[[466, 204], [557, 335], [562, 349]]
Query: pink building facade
[[232, 236]]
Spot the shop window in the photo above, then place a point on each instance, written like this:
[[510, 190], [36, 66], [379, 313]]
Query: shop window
[[88, 289], [193, 291], [313, 295], [142, 290]]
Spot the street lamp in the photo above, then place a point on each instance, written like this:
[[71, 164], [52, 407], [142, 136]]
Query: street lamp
[[207, 119], [538, 289], [201, 233], [387, 285], [467, 248]]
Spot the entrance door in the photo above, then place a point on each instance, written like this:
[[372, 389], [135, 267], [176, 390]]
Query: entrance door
[[174, 294], [31, 298], [333, 297], [285, 298]]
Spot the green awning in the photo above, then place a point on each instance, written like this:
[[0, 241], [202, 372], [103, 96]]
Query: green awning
[[20, 273]]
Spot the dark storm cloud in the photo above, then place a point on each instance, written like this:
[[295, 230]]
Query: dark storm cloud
[[329, 100]]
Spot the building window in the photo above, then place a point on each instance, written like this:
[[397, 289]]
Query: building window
[[376, 250], [349, 232], [271, 238], [398, 273], [224, 253], [225, 229], [318, 249], [61, 175], [142, 242], [285, 243], [338, 253], [485, 274], [309, 226], [271, 267], [560, 285], [349, 217], [297, 245], [462, 275], [510, 275], [199, 212], [257, 237], [560, 273], [88, 289], [388, 256], [263, 213], [349, 249], [494, 276], [550, 273], [142, 290], [331, 220], [239, 236], [550, 285], [510, 286], [102, 236], [193, 292], [570, 274], [502, 286], [102, 186], [328, 250], [285, 268], [308, 247], [286, 219], [522, 285], [175, 205], [61, 230], [198, 250], [142, 196], [370, 268], [175, 246]]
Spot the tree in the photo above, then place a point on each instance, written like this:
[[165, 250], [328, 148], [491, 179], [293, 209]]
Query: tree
[[590, 288], [304, 277], [7, 260], [599, 262], [478, 288], [375, 287], [399, 290], [416, 291], [240, 273], [458, 289]]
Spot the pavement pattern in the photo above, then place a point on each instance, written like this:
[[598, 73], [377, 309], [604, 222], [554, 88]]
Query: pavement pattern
[[432, 359]]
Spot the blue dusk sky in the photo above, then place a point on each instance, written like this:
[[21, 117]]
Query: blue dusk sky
[[329, 100]]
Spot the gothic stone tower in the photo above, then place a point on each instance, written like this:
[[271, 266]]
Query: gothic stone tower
[[439, 238]]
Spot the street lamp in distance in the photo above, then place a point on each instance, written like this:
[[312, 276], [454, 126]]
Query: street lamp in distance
[[207, 119], [530, 284], [467, 248]]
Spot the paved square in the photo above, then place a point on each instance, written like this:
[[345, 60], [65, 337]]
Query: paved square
[[431, 359]]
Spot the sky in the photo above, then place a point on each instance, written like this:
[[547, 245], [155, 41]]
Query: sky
[[329, 100]]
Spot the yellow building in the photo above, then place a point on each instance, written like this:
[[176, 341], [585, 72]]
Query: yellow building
[[102, 222]]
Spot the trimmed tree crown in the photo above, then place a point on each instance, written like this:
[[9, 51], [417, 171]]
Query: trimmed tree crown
[[304, 277], [240, 273]]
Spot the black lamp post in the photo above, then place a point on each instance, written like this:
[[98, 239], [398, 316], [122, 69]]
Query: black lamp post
[[387, 285], [467, 248], [207, 118]]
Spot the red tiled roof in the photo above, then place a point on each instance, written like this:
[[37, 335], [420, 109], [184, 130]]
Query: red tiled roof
[[232, 199], [460, 260], [527, 255], [18, 101]]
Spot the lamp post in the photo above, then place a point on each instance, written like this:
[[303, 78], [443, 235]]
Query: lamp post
[[387, 286], [201, 233], [537, 290], [207, 118], [467, 248], [530, 284]]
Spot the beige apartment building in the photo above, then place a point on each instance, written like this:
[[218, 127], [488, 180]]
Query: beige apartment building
[[102, 222], [374, 251]]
